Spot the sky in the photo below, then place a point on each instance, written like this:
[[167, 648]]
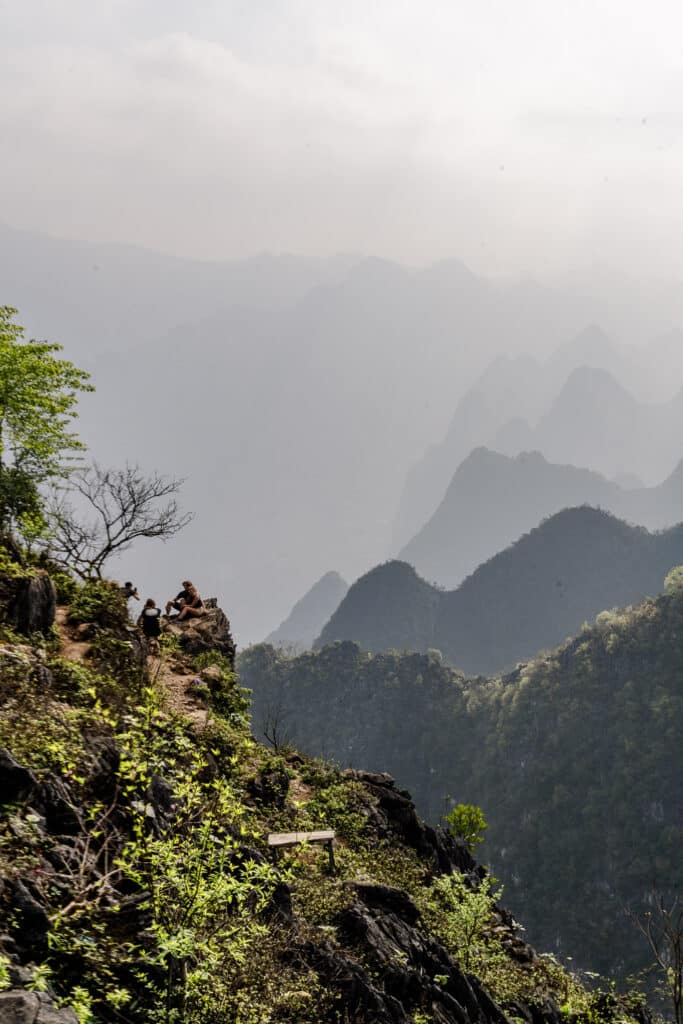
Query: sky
[[524, 138]]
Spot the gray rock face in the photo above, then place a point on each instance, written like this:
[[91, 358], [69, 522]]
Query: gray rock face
[[18, 1006], [32, 608], [16, 782]]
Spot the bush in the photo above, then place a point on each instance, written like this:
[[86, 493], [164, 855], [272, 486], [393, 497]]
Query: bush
[[467, 821], [101, 602]]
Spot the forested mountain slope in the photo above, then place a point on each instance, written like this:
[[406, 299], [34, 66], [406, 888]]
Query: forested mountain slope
[[493, 499], [528, 597], [575, 757]]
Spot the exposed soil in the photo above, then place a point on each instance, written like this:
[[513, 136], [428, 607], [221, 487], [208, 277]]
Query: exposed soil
[[172, 677]]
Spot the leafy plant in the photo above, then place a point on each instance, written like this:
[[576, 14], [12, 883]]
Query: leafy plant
[[467, 821]]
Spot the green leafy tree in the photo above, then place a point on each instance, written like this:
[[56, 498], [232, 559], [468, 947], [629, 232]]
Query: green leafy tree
[[468, 822], [38, 397], [463, 915]]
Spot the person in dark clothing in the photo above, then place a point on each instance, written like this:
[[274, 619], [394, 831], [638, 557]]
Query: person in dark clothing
[[193, 605], [180, 599], [149, 621], [128, 591]]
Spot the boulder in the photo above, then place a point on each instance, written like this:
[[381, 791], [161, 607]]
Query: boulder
[[16, 782], [31, 609], [17, 1006], [207, 632]]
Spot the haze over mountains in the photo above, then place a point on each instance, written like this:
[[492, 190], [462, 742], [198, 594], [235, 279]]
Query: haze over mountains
[[529, 597], [309, 615], [293, 394], [577, 407], [493, 499]]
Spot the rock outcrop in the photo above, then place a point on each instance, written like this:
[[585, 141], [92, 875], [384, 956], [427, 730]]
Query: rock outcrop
[[207, 632], [28, 601]]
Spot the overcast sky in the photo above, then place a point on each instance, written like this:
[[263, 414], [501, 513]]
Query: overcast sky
[[522, 136]]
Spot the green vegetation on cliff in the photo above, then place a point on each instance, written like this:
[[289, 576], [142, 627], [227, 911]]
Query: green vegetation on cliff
[[575, 758], [135, 879]]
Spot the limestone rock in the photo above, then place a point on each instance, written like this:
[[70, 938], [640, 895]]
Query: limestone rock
[[16, 782], [32, 606], [207, 632], [17, 1006]]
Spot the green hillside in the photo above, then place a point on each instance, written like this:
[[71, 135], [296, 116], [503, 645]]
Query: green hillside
[[575, 757]]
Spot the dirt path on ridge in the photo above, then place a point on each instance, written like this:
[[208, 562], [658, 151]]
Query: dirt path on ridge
[[175, 683], [172, 680], [72, 648]]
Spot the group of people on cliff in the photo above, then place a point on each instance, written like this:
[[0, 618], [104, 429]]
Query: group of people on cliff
[[188, 604]]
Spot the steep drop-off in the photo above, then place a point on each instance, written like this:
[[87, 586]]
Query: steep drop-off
[[575, 757], [136, 881]]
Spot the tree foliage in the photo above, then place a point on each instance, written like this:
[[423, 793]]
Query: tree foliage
[[38, 397], [468, 822], [662, 927]]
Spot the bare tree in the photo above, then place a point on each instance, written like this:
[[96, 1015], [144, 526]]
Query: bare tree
[[274, 724], [662, 927], [122, 505]]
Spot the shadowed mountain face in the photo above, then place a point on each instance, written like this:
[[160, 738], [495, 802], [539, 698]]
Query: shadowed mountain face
[[388, 607], [527, 598], [493, 499], [309, 615]]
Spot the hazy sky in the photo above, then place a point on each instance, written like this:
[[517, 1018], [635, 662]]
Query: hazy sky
[[519, 135]]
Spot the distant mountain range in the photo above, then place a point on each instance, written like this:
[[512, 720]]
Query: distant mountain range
[[292, 394], [493, 499], [583, 415], [309, 614], [528, 597]]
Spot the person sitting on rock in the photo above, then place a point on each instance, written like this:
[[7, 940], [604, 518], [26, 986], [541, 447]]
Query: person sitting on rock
[[149, 620], [187, 602], [193, 605], [179, 599]]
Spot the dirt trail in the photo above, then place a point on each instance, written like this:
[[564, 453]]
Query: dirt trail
[[174, 680], [72, 648]]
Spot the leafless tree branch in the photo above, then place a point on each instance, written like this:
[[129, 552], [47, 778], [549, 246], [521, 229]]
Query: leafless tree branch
[[125, 505]]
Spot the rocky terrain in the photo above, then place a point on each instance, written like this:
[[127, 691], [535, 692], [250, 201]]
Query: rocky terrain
[[135, 879]]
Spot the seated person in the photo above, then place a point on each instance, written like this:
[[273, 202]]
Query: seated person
[[193, 604], [179, 599], [187, 602]]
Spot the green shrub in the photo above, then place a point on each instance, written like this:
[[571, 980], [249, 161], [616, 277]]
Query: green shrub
[[467, 821], [100, 602]]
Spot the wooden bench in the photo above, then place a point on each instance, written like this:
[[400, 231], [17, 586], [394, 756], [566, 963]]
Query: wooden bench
[[279, 840]]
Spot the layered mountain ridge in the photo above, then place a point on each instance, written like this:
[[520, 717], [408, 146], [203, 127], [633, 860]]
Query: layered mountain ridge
[[528, 597], [494, 498]]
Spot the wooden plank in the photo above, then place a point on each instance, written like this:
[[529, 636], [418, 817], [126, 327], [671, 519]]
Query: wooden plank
[[291, 838]]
